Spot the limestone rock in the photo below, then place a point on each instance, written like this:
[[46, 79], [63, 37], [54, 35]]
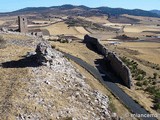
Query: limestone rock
[[3, 29], [44, 54]]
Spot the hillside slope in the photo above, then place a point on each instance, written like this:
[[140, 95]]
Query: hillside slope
[[30, 91]]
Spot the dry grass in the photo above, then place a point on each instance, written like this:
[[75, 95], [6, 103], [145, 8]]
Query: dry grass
[[81, 30], [80, 50], [141, 97], [140, 28], [15, 37], [148, 51], [61, 28], [115, 104], [145, 20], [12, 82], [2, 22], [41, 21], [145, 51]]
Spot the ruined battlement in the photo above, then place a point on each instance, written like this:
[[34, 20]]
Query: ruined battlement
[[22, 23], [114, 61]]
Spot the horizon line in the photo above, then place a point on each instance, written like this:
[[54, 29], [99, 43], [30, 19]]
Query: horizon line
[[73, 5]]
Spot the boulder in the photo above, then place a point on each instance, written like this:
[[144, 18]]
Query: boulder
[[44, 54]]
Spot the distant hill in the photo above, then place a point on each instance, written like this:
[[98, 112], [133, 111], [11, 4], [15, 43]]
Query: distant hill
[[156, 11], [83, 11]]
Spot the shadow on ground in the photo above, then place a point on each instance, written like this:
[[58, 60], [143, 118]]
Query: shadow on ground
[[22, 63], [106, 71]]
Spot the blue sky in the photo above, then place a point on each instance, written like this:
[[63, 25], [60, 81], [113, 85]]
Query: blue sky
[[11, 5]]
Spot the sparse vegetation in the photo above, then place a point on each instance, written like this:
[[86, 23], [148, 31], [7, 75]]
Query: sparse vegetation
[[2, 42], [137, 73], [87, 24], [68, 118], [156, 96], [139, 84], [155, 75], [125, 37], [112, 106], [143, 82]]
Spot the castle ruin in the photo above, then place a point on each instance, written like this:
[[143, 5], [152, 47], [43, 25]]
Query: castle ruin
[[117, 65], [22, 22]]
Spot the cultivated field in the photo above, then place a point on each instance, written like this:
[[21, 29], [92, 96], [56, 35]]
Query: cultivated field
[[61, 28], [1, 22], [95, 19], [141, 28], [145, 20], [147, 50], [81, 30]]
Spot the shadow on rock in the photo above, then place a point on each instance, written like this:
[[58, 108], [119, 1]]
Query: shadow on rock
[[22, 63], [104, 68]]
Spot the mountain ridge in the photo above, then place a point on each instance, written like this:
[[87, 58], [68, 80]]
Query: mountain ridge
[[156, 11], [88, 10]]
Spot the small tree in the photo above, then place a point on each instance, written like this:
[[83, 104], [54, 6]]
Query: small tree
[[155, 75], [139, 84], [157, 100]]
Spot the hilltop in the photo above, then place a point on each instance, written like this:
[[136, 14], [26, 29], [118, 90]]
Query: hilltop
[[82, 11]]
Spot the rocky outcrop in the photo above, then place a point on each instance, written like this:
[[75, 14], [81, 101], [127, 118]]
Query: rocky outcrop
[[3, 29], [53, 90], [44, 53], [114, 61], [50, 57], [63, 91]]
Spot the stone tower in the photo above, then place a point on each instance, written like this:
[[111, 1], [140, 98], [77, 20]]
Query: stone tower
[[22, 22]]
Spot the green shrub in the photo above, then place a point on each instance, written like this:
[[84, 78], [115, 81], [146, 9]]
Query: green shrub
[[153, 83], [155, 75], [139, 77], [157, 106], [145, 82], [157, 100], [139, 84], [112, 107], [68, 118], [151, 89]]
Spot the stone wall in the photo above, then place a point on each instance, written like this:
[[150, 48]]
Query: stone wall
[[22, 23], [116, 64]]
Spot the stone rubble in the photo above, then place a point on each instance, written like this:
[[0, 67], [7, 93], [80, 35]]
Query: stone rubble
[[60, 91], [67, 86]]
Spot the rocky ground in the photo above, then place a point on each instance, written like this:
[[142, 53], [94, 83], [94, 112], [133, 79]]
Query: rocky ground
[[52, 89]]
